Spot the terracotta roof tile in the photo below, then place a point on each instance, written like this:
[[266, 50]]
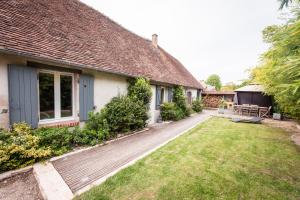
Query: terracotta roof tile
[[72, 32]]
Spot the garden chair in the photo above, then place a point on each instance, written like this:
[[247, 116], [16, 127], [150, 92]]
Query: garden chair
[[265, 112], [245, 110], [236, 109], [253, 110]]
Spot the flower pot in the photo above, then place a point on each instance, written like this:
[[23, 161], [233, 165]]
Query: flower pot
[[221, 110]]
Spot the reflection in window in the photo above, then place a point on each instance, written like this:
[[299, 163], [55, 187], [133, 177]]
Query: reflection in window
[[162, 95], [66, 96], [46, 92]]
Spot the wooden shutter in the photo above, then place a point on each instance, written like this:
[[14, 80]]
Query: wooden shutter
[[170, 94], [158, 97], [23, 95], [86, 96]]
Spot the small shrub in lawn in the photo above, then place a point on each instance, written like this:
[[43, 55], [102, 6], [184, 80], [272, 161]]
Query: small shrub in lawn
[[197, 105]]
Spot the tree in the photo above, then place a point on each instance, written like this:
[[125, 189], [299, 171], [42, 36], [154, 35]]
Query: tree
[[214, 80], [279, 70], [286, 3]]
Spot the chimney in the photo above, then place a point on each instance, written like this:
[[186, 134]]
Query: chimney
[[154, 40]]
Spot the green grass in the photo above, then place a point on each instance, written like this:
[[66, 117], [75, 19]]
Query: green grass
[[216, 160]]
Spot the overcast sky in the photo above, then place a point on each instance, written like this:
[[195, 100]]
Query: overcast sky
[[206, 36]]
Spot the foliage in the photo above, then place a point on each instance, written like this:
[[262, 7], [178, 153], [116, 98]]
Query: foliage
[[214, 80], [218, 159], [279, 71], [20, 148], [178, 109], [96, 126], [222, 103], [286, 3], [197, 105], [59, 139], [180, 100], [170, 111], [140, 89], [125, 114], [90, 136]]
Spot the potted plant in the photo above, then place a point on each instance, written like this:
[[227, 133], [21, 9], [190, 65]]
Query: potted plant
[[222, 105]]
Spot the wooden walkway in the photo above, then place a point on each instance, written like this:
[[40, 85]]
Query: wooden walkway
[[81, 169]]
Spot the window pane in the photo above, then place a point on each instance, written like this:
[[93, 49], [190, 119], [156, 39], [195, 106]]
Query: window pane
[[162, 95], [66, 96], [46, 91]]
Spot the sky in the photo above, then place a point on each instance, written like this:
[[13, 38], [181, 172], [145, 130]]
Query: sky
[[207, 36]]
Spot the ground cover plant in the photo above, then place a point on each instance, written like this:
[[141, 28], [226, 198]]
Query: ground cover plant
[[218, 159]]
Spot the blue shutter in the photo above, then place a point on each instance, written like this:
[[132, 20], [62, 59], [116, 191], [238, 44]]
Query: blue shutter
[[23, 97], [86, 96], [170, 94], [158, 97]]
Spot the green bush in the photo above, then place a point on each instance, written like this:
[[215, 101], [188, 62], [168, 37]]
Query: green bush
[[95, 131], [197, 105], [20, 148], [59, 139], [170, 111], [140, 89], [124, 114]]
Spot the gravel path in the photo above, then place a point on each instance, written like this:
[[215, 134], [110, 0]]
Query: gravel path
[[20, 187]]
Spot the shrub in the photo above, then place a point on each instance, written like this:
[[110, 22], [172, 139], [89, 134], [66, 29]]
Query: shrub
[[197, 105], [59, 139], [98, 123], [170, 111], [20, 148], [140, 89], [125, 114], [95, 131]]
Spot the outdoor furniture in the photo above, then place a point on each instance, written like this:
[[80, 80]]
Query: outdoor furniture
[[253, 110], [237, 109], [245, 109], [229, 105], [264, 112]]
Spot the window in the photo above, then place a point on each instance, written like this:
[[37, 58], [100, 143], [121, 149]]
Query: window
[[162, 95], [55, 96], [66, 96], [46, 90]]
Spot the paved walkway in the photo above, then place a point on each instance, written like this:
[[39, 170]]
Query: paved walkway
[[82, 169]]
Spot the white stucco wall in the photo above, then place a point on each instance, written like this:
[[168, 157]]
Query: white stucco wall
[[107, 86]]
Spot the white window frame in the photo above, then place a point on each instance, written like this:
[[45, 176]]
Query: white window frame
[[57, 100]]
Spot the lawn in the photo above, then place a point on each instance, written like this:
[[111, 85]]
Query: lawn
[[218, 159]]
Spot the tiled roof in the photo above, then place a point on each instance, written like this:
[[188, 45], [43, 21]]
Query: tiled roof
[[69, 31], [251, 88], [219, 92]]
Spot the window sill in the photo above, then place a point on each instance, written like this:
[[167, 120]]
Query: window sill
[[67, 122]]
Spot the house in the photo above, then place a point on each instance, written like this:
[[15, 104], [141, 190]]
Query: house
[[253, 94], [61, 59]]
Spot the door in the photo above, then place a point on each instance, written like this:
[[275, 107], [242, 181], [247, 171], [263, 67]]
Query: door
[[86, 96], [23, 98]]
